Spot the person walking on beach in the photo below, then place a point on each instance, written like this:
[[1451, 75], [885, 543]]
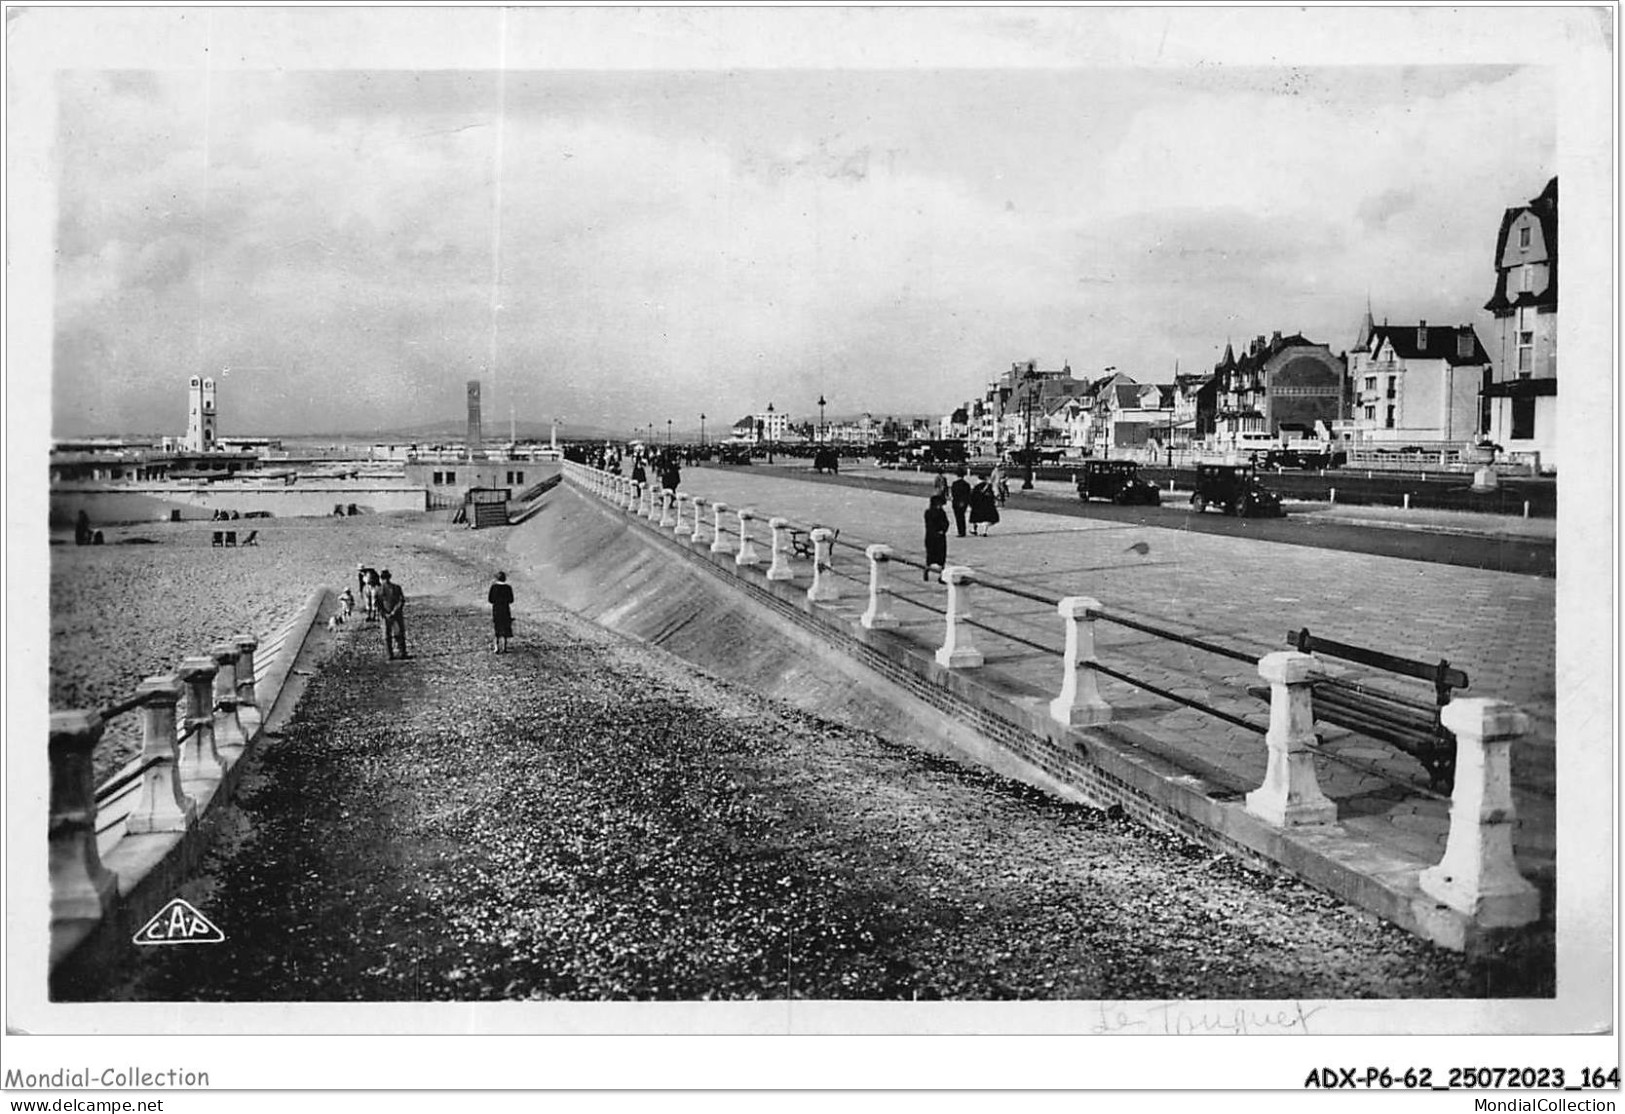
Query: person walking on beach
[[939, 486], [984, 508], [960, 492], [347, 599], [392, 603], [500, 597], [1000, 482], [936, 538], [369, 592]]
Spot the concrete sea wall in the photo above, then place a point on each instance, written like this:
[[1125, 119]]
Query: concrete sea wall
[[585, 550]]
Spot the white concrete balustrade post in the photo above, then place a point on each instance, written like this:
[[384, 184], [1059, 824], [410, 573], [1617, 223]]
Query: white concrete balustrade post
[[1080, 703], [248, 703], [1290, 796], [719, 541], [878, 615], [631, 496], [957, 650], [161, 805], [677, 522], [823, 588], [697, 537], [82, 889], [200, 758], [1478, 875], [780, 567], [668, 500], [747, 555], [228, 729], [651, 503], [247, 645]]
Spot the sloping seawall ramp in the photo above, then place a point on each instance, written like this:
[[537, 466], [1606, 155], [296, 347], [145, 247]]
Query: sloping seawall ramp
[[601, 564]]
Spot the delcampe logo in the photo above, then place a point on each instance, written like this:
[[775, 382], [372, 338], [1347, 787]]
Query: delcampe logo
[[179, 922]]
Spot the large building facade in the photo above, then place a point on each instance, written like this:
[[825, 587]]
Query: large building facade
[[1417, 382], [1520, 403], [1282, 385]]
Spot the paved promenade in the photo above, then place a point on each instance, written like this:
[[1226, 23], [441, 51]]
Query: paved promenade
[[1232, 591]]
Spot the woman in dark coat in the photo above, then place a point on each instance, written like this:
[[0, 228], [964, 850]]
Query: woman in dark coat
[[936, 537], [500, 597], [984, 507]]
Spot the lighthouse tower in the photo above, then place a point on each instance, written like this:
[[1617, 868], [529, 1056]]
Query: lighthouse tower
[[201, 434]]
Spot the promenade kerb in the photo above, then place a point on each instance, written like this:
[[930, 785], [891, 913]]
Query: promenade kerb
[[1288, 756], [105, 841]]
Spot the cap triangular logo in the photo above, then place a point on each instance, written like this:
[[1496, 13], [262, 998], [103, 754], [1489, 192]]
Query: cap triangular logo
[[179, 922]]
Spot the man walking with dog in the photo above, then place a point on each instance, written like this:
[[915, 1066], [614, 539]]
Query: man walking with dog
[[392, 605]]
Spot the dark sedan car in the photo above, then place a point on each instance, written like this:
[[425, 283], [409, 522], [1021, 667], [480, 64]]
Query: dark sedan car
[[1117, 480], [1236, 489]]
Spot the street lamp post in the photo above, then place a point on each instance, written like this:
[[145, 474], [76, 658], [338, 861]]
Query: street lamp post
[[702, 431], [1027, 478], [668, 434], [769, 433], [820, 419]]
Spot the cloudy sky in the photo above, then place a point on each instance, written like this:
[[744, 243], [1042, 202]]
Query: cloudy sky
[[344, 246]]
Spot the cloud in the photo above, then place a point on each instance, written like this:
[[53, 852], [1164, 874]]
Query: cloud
[[627, 249]]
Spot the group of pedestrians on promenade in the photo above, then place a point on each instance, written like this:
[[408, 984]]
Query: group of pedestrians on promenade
[[980, 503], [383, 599]]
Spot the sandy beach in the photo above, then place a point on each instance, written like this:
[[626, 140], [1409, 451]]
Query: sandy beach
[[158, 592]]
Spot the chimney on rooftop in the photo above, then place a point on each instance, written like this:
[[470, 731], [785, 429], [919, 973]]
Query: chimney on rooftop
[[1275, 338]]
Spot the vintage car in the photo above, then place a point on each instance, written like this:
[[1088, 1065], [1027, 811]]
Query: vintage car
[[826, 459], [928, 453], [1234, 487], [1309, 459], [1117, 480], [1020, 458], [886, 452], [733, 454]]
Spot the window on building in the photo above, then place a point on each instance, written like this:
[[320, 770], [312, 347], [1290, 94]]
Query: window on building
[[1390, 422], [1484, 404], [1371, 382], [1525, 278], [1523, 419], [1523, 236], [1526, 354], [518, 478], [439, 477], [451, 477], [1370, 413]]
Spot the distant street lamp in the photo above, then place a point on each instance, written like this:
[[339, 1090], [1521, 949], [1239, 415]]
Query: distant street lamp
[[820, 419], [770, 434], [1029, 377], [668, 433], [702, 431]]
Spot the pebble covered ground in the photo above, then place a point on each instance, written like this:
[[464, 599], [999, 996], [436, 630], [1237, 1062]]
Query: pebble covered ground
[[587, 818]]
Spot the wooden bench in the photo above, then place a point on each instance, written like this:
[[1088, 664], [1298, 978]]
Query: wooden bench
[[1409, 725], [801, 543]]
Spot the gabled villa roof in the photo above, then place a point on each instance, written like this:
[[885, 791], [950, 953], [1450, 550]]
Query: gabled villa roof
[[1545, 209], [1441, 343]]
